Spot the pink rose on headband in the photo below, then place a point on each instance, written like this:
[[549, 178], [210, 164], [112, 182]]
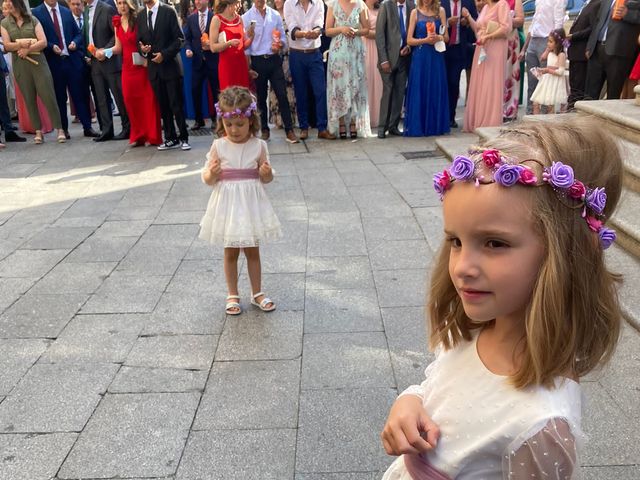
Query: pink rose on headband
[[593, 223], [507, 175], [597, 199], [462, 168], [441, 181], [607, 237], [577, 190], [527, 176], [491, 157], [559, 175]]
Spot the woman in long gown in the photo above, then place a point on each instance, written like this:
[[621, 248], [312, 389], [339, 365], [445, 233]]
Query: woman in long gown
[[139, 99], [227, 36], [374, 80], [347, 96], [512, 68], [485, 101], [427, 98]]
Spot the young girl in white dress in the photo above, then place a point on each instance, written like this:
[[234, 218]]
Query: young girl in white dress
[[521, 307], [552, 88], [239, 214]]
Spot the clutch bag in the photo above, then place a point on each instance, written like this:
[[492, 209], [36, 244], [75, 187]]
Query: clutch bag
[[222, 37], [137, 59]]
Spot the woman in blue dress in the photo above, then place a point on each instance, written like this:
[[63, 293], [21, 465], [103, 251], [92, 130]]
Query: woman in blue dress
[[426, 101]]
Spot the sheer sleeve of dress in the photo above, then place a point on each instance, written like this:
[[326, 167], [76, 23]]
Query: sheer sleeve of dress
[[548, 451], [211, 154], [418, 390]]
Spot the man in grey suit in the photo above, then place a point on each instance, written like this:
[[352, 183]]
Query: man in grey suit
[[394, 59], [612, 48], [106, 68]]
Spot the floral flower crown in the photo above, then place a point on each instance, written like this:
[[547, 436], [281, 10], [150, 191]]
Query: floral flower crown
[[237, 112], [507, 172]]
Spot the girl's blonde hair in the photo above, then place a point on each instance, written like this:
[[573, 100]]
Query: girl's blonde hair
[[237, 97], [435, 5], [572, 321]]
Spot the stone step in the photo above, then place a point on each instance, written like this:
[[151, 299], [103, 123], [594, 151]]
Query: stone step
[[626, 221], [622, 262], [622, 117]]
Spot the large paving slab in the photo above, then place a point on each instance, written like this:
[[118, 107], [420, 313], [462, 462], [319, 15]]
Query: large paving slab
[[118, 360]]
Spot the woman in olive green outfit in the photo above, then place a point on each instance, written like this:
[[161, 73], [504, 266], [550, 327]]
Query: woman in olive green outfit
[[23, 36]]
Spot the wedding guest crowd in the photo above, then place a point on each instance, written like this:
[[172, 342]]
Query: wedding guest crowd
[[344, 67]]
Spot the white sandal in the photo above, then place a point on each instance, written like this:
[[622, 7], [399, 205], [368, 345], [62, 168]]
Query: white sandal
[[263, 304], [231, 304]]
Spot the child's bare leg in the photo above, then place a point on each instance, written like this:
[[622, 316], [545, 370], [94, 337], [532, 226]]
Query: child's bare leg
[[536, 108], [231, 272], [255, 272]]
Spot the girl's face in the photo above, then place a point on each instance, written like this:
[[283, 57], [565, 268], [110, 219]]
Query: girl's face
[[551, 44], [495, 253], [237, 129]]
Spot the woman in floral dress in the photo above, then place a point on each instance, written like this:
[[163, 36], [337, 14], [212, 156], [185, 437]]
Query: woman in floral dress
[[274, 111], [512, 71], [347, 97]]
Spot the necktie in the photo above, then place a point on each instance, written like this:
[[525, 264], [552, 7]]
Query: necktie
[[403, 28], [454, 31], [150, 22], [203, 22], [79, 20], [56, 27]]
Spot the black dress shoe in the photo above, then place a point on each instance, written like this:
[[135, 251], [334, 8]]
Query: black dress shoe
[[453, 124], [395, 132], [11, 136], [103, 137], [90, 132], [66, 135], [381, 134], [123, 135]]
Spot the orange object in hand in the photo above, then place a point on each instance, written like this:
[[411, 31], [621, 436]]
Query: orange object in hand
[[618, 5], [431, 28], [204, 38], [92, 49]]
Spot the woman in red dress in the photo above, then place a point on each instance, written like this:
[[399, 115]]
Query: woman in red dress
[[227, 36], [142, 105]]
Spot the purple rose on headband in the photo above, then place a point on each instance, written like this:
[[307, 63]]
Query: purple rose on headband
[[596, 199], [462, 168], [491, 157], [507, 175], [607, 237], [441, 181], [560, 175]]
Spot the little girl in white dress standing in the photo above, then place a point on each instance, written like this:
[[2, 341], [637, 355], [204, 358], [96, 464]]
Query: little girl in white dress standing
[[239, 214], [552, 89]]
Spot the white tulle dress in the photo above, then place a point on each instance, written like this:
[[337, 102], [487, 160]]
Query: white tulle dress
[[239, 213], [490, 430], [552, 88]]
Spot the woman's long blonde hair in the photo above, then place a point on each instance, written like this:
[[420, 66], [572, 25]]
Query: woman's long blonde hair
[[573, 319], [435, 4]]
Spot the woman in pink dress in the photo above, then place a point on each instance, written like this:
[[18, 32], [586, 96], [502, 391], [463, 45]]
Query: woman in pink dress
[[486, 87], [374, 80], [142, 105]]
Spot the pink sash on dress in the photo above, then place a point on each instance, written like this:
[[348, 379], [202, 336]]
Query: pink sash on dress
[[239, 174], [421, 469]]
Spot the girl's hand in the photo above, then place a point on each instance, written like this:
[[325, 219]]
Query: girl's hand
[[408, 428], [23, 52], [214, 167], [348, 32], [234, 42], [265, 172]]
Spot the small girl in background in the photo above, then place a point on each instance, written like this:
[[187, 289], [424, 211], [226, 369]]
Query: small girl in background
[[552, 87], [239, 214], [521, 307]]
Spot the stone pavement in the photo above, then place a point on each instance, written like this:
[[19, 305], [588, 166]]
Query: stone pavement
[[117, 361]]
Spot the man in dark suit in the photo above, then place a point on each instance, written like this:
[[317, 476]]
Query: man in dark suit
[[394, 60], [106, 70], [65, 62], [612, 48], [159, 40], [205, 62], [10, 134], [459, 53], [578, 35]]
